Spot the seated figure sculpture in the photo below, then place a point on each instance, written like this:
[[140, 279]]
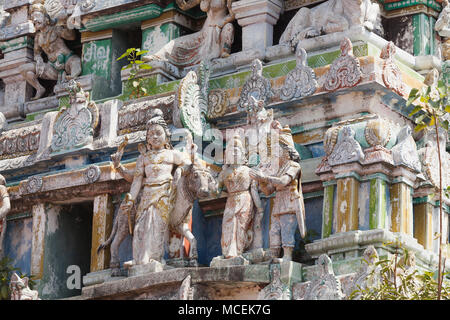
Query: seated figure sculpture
[[214, 40], [62, 63], [329, 17]]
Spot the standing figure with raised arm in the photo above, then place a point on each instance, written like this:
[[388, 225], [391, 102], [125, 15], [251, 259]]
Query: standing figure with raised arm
[[242, 200], [288, 210], [153, 174]]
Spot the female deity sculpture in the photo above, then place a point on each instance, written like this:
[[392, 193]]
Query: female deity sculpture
[[288, 209], [243, 197], [214, 40], [153, 174]]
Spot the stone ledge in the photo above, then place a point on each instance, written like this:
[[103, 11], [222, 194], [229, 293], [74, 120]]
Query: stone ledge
[[253, 274]]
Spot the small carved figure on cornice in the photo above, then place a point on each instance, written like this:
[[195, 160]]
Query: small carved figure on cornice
[[392, 76], [213, 41], [368, 274], [345, 71], [256, 86], [74, 127], [329, 17], [347, 149], [19, 289], [62, 63], [405, 151], [4, 17], [301, 81]]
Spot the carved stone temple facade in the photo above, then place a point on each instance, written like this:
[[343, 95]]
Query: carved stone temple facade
[[161, 195]]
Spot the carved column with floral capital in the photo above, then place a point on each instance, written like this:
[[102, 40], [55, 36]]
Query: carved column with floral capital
[[257, 18]]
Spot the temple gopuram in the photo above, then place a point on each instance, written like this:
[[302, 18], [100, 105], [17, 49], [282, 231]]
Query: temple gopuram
[[219, 149]]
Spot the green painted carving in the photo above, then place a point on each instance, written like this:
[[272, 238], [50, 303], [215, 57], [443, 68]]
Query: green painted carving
[[408, 3], [148, 12], [16, 44], [422, 34], [97, 58], [327, 211], [377, 204]]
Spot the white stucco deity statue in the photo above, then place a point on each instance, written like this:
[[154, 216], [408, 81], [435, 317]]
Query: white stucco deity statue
[[5, 206], [20, 290], [243, 198], [329, 17], [153, 174], [288, 212], [213, 41], [62, 63]]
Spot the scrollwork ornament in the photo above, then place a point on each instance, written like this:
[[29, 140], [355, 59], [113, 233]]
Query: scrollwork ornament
[[256, 86], [32, 185], [345, 71], [92, 174], [301, 81], [391, 74], [218, 103]]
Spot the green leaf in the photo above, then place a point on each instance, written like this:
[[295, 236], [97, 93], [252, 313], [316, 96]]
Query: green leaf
[[420, 127], [122, 56], [447, 108], [420, 118], [145, 67], [415, 110], [141, 52], [127, 67], [413, 93]]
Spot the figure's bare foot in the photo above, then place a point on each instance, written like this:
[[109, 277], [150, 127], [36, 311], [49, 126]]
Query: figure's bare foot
[[39, 94], [225, 54]]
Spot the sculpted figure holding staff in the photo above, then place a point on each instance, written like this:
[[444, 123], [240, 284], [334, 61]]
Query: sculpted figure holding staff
[[288, 210], [153, 174]]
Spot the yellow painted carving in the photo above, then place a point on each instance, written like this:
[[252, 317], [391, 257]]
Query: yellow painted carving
[[347, 205]]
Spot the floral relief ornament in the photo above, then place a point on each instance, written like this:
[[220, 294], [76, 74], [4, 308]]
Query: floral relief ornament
[[74, 127], [345, 71], [392, 77], [256, 86], [301, 81]]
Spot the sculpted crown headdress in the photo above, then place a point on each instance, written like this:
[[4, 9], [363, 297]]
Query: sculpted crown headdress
[[38, 6]]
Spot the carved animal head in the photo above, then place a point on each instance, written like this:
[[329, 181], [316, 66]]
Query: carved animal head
[[200, 179]]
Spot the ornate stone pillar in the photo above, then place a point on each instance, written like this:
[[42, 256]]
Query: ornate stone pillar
[[347, 204], [257, 18], [423, 224], [38, 240], [16, 44], [402, 210], [327, 210], [378, 205], [102, 222]]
